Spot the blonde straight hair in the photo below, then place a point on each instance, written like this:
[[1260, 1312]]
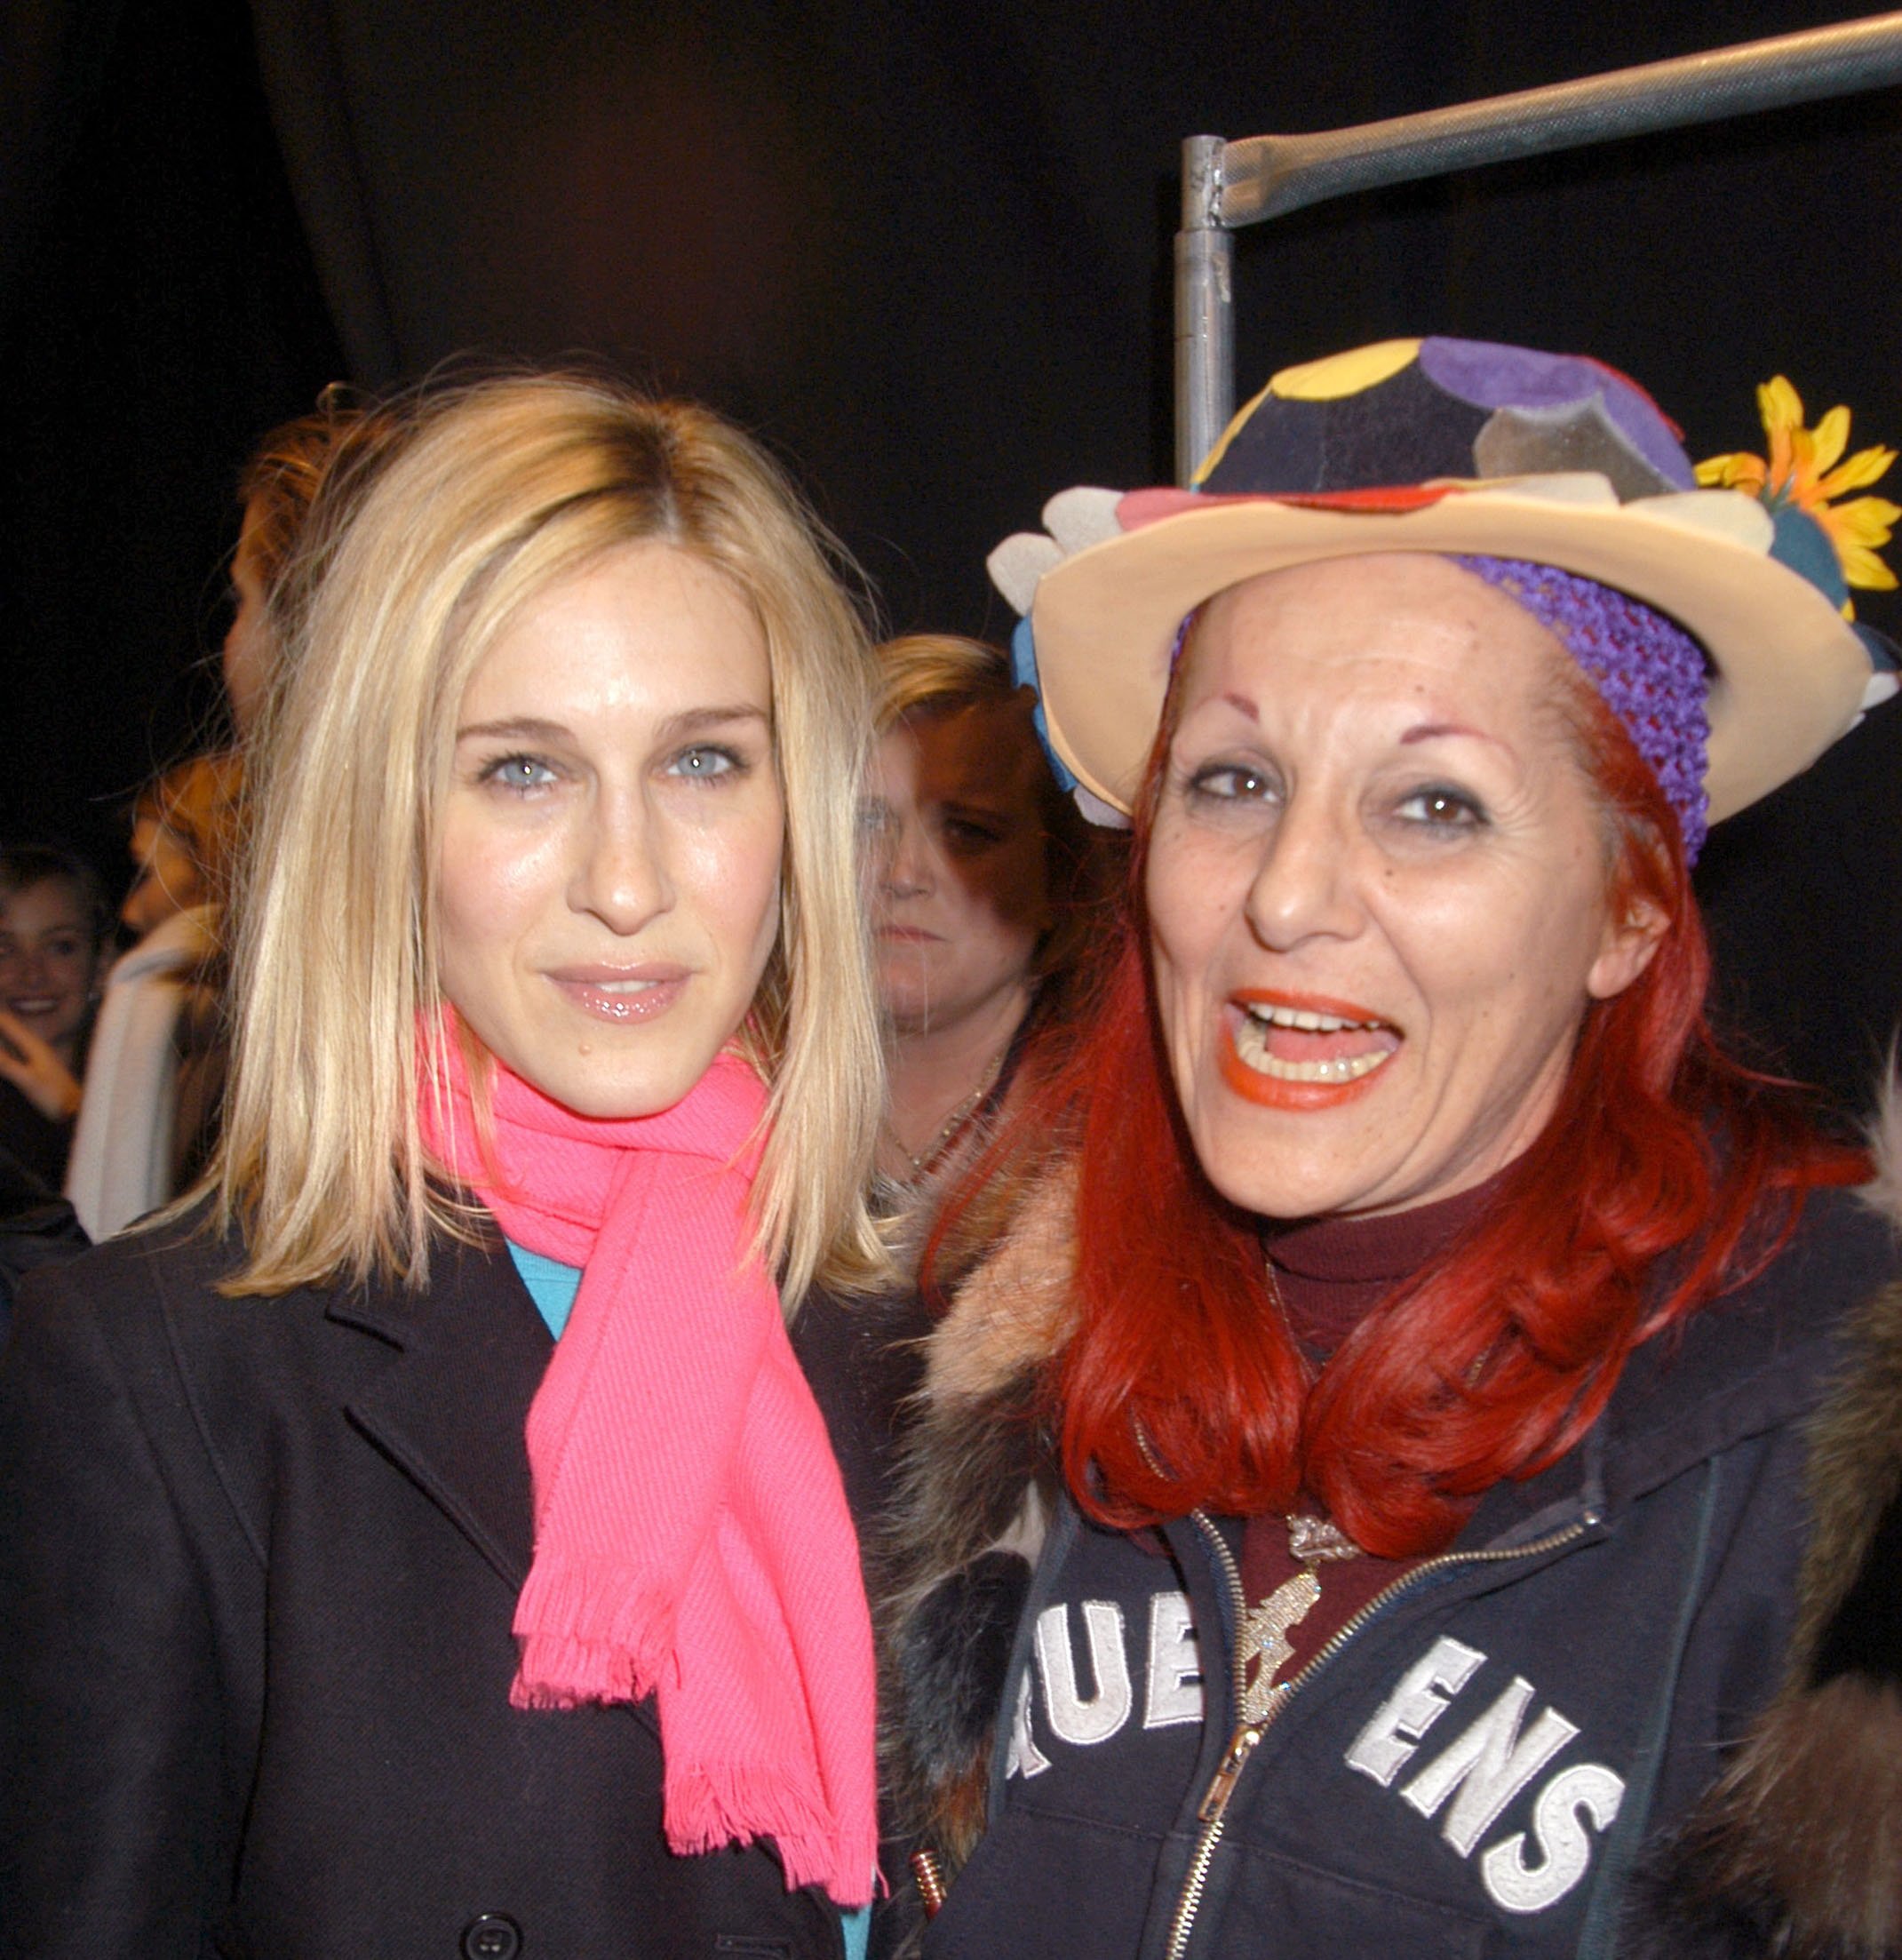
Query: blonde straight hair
[[505, 488]]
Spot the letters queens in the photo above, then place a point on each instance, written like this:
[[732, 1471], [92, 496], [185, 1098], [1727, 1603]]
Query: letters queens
[[1516, 1753]]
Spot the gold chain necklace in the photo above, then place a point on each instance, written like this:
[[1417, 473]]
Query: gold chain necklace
[[922, 1160]]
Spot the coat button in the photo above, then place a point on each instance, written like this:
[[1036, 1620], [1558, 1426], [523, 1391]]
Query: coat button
[[494, 1936]]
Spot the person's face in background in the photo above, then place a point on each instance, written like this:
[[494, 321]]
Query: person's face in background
[[956, 865], [248, 649], [49, 960], [168, 881]]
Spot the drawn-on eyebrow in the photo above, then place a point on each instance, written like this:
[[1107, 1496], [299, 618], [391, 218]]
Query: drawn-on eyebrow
[[530, 727], [1242, 705]]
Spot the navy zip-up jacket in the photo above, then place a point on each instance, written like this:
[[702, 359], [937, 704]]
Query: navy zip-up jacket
[[1474, 1766]]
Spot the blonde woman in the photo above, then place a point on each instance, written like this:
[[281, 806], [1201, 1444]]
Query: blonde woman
[[360, 1600]]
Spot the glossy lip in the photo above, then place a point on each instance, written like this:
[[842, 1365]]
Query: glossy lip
[[1270, 1091], [1311, 1003], [585, 987]]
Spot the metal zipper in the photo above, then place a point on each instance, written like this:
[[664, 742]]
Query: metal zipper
[[1213, 1811]]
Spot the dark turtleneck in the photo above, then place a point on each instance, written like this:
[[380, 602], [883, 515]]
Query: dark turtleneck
[[1333, 1272]]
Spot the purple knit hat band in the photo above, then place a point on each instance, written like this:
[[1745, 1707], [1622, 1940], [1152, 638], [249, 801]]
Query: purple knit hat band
[[1651, 674]]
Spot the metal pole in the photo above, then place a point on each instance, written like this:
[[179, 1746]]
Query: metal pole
[[1264, 176], [1204, 298]]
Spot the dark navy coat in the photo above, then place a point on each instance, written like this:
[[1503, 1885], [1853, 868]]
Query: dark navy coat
[[1475, 1768], [259, 1561]]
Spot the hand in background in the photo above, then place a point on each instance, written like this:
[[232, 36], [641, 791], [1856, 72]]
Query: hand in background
[[33, 1068]]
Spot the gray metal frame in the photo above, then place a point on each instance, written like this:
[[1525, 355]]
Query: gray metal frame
[[1226, 185]]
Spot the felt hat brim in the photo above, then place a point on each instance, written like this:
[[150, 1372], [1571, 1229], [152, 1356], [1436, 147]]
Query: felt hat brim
[[1788, 670]]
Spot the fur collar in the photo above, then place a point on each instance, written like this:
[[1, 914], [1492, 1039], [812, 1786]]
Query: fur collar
[[1796, 1851], [952, 1567], [1014, 1312]]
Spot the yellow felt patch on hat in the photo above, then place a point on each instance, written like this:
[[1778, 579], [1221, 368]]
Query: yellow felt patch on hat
[[1343, 374], [1237, 423], [1328, 379]]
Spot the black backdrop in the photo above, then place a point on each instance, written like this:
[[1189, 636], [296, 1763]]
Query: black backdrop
[[921, 249]]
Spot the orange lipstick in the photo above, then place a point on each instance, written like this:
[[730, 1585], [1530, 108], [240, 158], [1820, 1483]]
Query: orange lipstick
[[1308, 1052]]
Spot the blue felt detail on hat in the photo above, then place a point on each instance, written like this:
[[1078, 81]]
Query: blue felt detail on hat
[[1884, 656], [1024, 672], [1798, 541]]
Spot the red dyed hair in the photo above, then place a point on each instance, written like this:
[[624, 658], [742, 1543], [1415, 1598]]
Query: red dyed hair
[[1496, 1359]]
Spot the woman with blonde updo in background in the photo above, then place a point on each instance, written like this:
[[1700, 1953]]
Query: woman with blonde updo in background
[[160, 1063], [424, 1541], [182, 841]]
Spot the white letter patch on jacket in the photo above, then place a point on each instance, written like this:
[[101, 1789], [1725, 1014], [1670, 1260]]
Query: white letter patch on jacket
[[1175, 1667], [1381, 1747], [1483, 1769], [1071, 1718], [1167, 1660]]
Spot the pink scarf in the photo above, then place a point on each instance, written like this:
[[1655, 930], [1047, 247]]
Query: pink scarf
[[691, 1536]]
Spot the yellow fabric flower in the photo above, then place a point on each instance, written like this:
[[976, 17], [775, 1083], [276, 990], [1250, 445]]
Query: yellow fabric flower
[[1805, 468]]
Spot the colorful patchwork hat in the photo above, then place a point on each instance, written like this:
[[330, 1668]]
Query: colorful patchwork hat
[[1513, 461]]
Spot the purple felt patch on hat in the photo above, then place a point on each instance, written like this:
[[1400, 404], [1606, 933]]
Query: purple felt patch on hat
[[1491, 375], [1649, 671]]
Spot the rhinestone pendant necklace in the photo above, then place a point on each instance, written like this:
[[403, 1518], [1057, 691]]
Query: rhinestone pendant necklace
[[1312, 1541], [1264, 1633]]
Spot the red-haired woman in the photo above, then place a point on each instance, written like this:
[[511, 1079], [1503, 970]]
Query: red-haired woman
[[1409, 1366]]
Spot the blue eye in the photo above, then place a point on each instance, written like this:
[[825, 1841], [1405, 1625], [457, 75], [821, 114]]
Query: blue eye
[[704, 762], [519, 772]]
